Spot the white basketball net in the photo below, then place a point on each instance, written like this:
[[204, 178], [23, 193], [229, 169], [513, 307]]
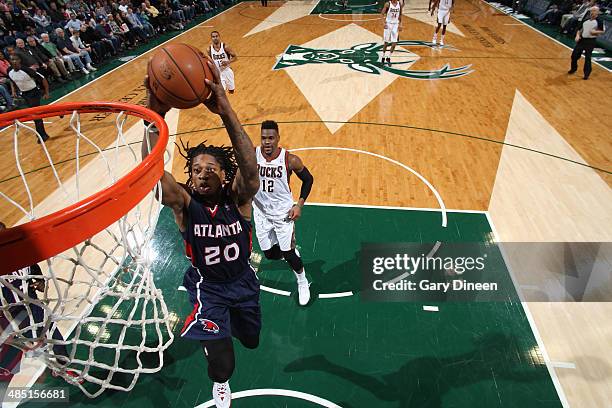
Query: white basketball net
[[97, 317]]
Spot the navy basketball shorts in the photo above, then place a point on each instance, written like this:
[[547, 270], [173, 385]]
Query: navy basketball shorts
[[222, 309]]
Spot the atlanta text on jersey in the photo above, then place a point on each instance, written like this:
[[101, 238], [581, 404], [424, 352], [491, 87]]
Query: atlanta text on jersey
[[217, 231]]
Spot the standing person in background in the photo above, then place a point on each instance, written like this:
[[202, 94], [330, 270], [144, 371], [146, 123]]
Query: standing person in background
[[585, 42], [29, 83], [222, 55]]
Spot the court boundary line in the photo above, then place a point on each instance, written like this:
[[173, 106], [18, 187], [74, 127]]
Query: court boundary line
[[530, 319], [320, 15], [540, 32], [390, 207]]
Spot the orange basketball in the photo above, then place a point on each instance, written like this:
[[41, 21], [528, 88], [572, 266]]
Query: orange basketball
[[176, 75]]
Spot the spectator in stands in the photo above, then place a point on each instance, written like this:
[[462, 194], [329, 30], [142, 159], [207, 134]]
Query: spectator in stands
[[100, 11], [56, 66], [72, 64], [577, 17], [144, 20], [125, 35], [585, 41], [186, 7], [73, 24], [91, 38], [174, 16], [106, 33], [29, 84], [145, 14], [30, 32], [134, 25], [28, 18], [550, 16], [57, 17], [42, 4], [66, 47], [27, 59], [123, 6], [42, 20], [13, 23], [5, 84], [81, 47]]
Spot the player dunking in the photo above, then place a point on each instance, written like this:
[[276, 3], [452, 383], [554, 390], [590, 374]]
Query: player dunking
[[213, 212], [392, 13], [273, 207], [444, 11], [223, 56]]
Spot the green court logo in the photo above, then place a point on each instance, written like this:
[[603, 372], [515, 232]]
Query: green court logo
[[366, 58]]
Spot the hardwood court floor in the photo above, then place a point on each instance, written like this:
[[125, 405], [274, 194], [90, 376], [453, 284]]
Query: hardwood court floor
[[514, 141]]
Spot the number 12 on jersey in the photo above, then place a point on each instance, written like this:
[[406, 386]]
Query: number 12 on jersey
[[267, 186]]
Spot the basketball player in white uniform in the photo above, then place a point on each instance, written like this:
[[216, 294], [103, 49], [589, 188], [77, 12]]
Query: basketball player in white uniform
[[444, 11], [273, 209], [222, 55], [392, 13]]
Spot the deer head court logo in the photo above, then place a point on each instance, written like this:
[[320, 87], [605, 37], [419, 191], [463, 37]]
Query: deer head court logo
[[366, 58]]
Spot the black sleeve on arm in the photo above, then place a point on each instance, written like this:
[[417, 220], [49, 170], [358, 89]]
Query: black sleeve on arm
[[307, 181]]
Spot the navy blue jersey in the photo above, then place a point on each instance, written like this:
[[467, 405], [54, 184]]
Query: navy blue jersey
[[218, 240], [16, 279]]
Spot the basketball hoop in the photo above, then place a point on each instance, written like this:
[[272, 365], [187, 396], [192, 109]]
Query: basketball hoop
[[94, 253]]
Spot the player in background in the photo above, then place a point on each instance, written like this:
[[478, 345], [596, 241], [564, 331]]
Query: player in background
[[444, 8], [273, 208], [392, 14], [222, 55]]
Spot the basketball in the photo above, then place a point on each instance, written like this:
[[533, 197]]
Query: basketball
[[176, 76]]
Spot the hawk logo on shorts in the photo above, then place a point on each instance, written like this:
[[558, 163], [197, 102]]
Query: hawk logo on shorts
[[366, 58], [209, 326]]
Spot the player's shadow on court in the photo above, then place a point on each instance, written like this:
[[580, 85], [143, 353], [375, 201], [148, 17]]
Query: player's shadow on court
[[423, 381]]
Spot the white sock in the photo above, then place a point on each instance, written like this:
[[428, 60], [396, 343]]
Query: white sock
[[301, 277]]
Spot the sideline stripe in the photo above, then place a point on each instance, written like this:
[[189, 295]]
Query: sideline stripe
[[534, 328], [274, 290], [335, 295]]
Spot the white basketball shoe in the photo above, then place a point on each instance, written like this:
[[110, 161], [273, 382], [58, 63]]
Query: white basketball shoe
[[222, 395]]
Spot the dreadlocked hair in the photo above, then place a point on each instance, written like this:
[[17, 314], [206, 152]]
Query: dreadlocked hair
[[223, 154]]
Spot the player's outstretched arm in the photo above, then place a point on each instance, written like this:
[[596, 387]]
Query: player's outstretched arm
[[173, 195], [246, 182]]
